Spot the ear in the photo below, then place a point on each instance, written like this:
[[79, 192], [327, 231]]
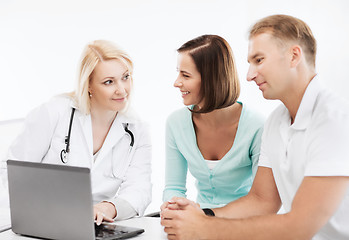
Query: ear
[[296, 55], [89, 87]]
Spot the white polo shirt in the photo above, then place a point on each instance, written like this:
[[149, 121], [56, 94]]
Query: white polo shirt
[[316, 144]]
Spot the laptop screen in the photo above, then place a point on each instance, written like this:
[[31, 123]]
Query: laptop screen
[[51, 201]]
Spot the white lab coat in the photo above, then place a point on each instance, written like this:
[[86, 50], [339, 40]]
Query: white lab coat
[[43, 138]]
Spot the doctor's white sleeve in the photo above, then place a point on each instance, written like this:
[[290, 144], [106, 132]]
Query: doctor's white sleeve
[[31, 144], [34, 140], [124, 210], [136, 189]]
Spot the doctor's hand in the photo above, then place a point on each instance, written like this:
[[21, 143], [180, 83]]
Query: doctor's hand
[[104, 211]]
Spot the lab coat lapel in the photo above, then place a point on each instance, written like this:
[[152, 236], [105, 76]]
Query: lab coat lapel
[[86, 126], [114, 135]]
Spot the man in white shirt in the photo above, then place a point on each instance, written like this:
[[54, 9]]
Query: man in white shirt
[[303, 163]]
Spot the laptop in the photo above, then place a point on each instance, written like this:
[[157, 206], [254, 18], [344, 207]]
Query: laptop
[[55, 202]]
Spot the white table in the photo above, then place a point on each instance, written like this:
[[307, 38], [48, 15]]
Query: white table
[[152, 227]]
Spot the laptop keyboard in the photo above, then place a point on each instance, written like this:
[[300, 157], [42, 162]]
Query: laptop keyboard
[[108, 230]]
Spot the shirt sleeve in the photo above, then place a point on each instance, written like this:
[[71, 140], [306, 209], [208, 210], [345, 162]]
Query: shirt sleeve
[[176, 167], [327, 154], [264, 160], [255, 150]]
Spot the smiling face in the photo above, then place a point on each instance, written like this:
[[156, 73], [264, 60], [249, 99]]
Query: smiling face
[[110, 86], [188, 80], [269, 66]]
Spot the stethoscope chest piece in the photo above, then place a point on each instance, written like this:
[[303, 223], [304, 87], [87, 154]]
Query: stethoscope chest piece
[[64, 156]]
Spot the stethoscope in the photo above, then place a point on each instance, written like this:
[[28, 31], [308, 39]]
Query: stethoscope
[[65, 152]]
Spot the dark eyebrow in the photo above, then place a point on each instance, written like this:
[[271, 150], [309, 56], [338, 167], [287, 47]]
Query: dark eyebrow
[[185, 72]]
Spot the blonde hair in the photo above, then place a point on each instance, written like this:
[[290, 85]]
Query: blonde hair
[[286, 28], [95, 52]]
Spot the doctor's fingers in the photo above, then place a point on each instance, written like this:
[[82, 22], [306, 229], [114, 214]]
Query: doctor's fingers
[[108, 219], [100, 217], [108, 209]]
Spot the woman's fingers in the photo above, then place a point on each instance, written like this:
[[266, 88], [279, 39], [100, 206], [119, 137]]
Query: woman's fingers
[[108, 219], [164, 205], [99, 217], [104, 211]]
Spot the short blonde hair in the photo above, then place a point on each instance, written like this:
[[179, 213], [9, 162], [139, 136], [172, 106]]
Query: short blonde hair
[[95, 52], [286, 28]]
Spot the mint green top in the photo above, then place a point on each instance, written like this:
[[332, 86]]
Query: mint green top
[[233, 175]]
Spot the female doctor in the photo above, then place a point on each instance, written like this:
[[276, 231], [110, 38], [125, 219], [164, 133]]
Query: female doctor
[[93, 127]]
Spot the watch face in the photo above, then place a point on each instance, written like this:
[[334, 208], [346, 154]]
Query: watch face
[[208, 211]]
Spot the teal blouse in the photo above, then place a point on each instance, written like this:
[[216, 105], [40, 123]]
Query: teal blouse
[[233, 175]]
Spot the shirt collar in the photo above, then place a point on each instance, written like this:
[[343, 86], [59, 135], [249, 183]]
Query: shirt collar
[[305, 110], [130, 116]]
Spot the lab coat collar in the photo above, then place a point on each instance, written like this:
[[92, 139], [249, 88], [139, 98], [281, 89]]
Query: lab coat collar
[[116, 132], [130, 116], [73, 103], [305, 110]]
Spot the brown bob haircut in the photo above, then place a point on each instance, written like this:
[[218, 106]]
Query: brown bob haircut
[[213, 57], [288, 28]]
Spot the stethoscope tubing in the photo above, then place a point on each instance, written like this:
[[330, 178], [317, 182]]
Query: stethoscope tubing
[[64, 152], [131, 135]]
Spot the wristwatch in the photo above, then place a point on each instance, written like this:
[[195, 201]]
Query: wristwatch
[[208, 211]]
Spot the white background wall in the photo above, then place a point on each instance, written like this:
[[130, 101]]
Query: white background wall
[[41, 42]]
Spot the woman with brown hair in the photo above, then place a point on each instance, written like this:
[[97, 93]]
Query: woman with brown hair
[[216, 137]]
